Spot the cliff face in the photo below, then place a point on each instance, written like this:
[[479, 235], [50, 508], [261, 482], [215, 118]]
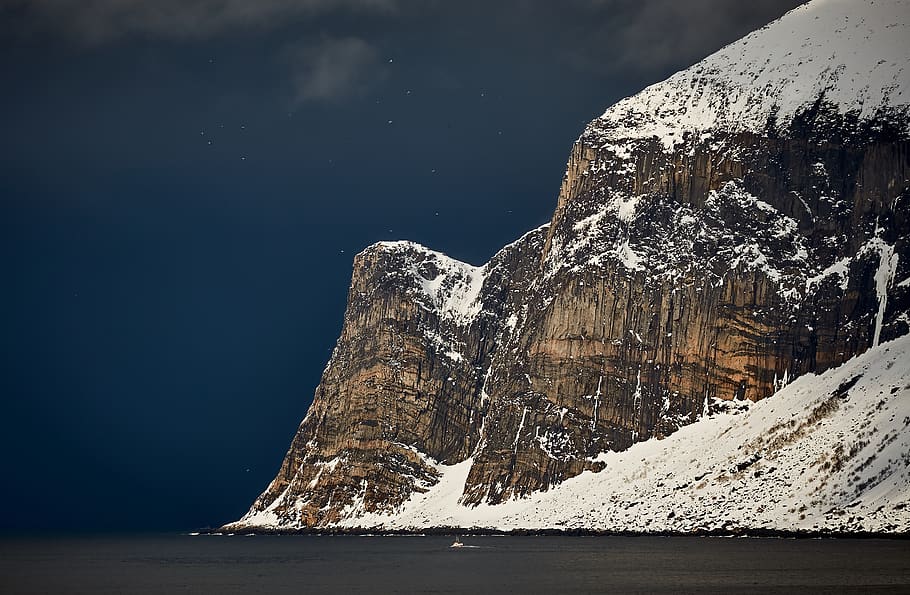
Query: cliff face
[[716, 236], [714, 280], [403, 390]]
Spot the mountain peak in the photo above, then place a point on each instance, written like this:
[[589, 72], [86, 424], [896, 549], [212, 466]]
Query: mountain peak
[[446, 286], [849, 54]]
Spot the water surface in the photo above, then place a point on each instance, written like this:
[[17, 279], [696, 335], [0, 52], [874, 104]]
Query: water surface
[[312, 564]]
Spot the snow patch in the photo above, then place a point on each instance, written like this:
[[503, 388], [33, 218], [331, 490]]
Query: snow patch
[[452, 287], [884, 276]]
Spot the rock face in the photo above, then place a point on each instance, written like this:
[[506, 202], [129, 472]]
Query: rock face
[[716, 236], [404, 387], [827, 453]]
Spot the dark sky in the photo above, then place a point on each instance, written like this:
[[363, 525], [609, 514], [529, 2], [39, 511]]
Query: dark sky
[[183, 185]]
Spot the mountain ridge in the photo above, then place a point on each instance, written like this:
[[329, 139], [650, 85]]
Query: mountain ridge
[[764, 79]]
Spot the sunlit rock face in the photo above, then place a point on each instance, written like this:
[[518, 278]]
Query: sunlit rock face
[[404, 388], [716, 236]]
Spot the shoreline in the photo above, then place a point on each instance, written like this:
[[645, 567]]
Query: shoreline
[[488, 532]]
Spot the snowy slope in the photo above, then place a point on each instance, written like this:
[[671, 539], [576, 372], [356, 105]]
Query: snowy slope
[[827, 452], [855, 58]]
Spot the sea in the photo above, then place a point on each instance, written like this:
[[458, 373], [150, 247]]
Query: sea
[[427, 564]]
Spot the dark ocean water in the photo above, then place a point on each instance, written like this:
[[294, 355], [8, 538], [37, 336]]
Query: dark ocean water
[[310, 564]]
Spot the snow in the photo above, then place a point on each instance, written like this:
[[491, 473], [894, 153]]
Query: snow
[[589, 234], [774, 247], [884, 276], [553, 442], [840, 268], [853, 53], [521, 426], [323, 466], [747, 234], [443, 345], [627, 256], [636, 402], [261, 518], [459, 301], [625, 208], [596, 403], [454, 291], [827, 451]]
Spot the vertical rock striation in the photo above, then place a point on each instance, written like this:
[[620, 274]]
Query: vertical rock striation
[[716, 236]]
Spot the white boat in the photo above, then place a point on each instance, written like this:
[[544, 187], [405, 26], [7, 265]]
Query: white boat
[[457, 543]]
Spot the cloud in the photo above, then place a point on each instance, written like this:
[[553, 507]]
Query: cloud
[[658, 34], [641, 39], [99, 21], [332, 69]]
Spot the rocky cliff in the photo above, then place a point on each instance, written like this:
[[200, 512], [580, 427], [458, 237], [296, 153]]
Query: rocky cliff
[[716, 236]]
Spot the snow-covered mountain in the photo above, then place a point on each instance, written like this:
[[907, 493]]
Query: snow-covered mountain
[[826, 452], [743, 224], [849, 55]]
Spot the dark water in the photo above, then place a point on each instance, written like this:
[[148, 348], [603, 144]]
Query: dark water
[[210, 564]]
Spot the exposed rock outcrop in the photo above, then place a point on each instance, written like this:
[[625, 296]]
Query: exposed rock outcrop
[[716, 236]]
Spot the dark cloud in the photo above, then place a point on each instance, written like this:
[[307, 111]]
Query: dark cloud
[[599, 36], [98, 21], [655, 35], [332, 69]]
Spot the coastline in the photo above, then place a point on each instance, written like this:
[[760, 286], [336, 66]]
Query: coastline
[[577, 532]]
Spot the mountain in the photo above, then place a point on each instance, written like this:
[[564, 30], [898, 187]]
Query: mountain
[[717, 236], [827, 452]]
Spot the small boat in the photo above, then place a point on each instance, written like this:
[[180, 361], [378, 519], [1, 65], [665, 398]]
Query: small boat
[[457, 543]]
